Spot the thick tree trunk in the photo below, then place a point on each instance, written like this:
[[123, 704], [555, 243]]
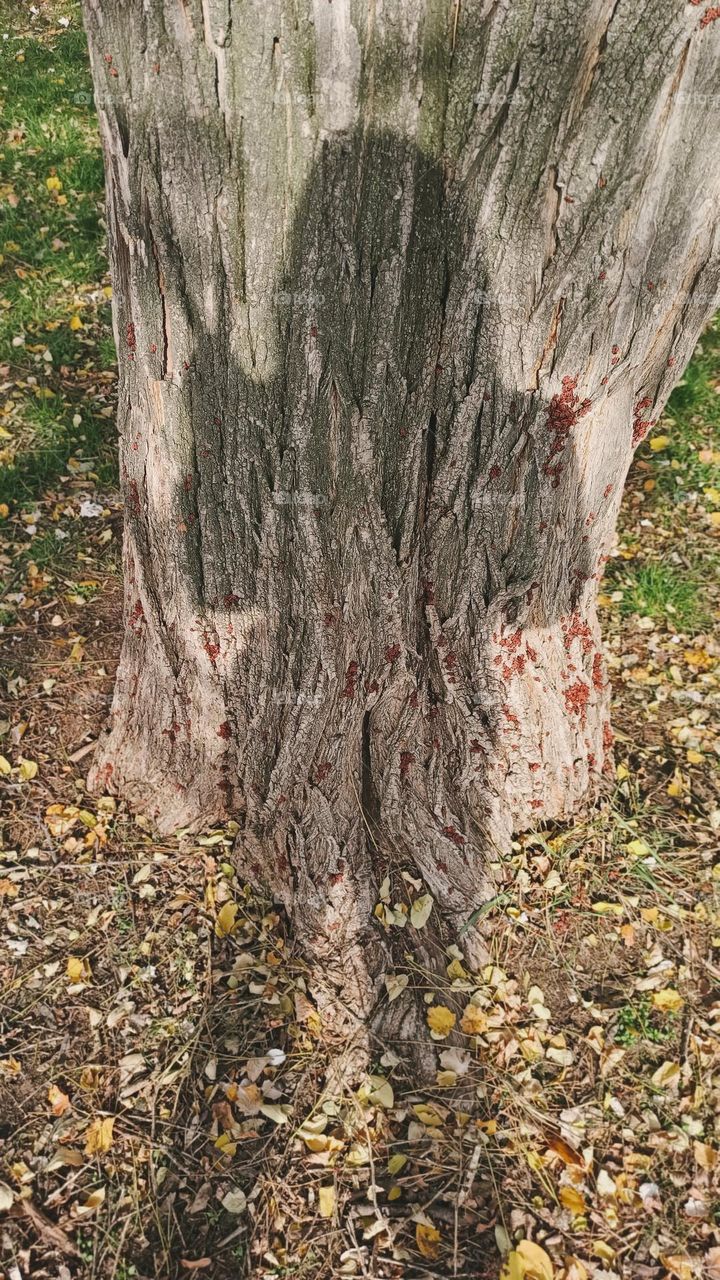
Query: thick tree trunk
[[398, 289]]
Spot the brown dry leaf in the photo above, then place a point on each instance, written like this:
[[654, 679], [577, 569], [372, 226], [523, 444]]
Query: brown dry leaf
[[59, 1101], [712, 1263], [473, 1021], [428, 1240], [705, 1155]]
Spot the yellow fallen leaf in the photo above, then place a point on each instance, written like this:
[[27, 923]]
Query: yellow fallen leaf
[[396, 1163], [571, 1199], [99, 1136], [714, 519], [659, 442], [528, 1262], [77, 969], [427, 1240], [53, 184], [28, 769], [5, 766], [694, 757], [76, 323], [638, 849], [93, 1202], [440, 1020], [668, 999], [420, 911], [226, 921], [326, 1201], [607, 908]]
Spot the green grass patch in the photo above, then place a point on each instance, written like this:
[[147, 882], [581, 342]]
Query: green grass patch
[[692, 421], [55, 335], [666, 594]]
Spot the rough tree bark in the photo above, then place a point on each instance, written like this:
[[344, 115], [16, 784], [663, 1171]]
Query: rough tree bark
[[399, 285]]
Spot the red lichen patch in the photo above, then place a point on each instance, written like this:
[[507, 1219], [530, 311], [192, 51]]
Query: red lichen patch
[[511, 642], [393, 652], [406, 760], [130, 339], [536, 804], [211, 648], [641, 425], [598, 672], [531, 653], [454, 835], [224, 730], [172, 732], [510, 717], [428, 590], [602, 276], [494, 473], [322, 771], [188, 483], [137, 615], [710, 15], [133, 497], [515, 667], [607, 490], [351, 676], [576, 698], [476, 747], [230, 600], [534, 767], [608, 736], [577, 629], [563, 413]]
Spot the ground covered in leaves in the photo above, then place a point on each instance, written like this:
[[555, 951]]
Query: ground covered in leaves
[[163, 1100]]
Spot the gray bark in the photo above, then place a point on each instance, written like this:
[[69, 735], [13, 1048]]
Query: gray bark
[[398, 287]]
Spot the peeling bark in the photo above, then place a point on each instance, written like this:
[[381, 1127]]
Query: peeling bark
[[397, 290]]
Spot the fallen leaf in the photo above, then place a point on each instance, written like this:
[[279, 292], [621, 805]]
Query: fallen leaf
[[440, 1020], [99, 1136], [226, 921], [668, 999], [326, 1201], [59, 1101], [420, 910], [428, 1240]]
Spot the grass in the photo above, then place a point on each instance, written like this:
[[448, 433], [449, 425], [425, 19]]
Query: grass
[[664, 593], [52, 263]]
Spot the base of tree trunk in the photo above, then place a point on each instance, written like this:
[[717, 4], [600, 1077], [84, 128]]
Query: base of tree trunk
[[413, 796]]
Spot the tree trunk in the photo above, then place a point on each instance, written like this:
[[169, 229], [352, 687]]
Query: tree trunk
[[398, 288]]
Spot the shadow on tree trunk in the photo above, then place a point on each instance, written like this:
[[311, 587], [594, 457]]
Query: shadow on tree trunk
[[352, 565]]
